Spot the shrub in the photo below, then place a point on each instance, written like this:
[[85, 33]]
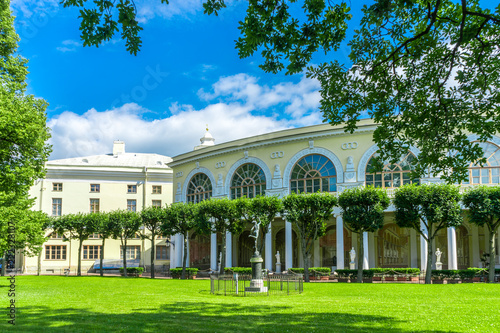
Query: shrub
[[133, 270], [239, 270], [177, 272], [320, 271], [445, 273], [297, 270]]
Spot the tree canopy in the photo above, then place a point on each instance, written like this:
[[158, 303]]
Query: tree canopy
[[428, 72]]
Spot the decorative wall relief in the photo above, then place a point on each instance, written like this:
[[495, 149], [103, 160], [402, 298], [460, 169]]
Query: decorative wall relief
[[349, 145], [277, 181], [179, 174], [350, 172], [277, 154], [220, 164]]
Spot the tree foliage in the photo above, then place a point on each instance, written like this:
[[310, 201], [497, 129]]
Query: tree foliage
[[124, 225], [428, 72], [363, 211], [309, 213], [483, 205], [427, 209]]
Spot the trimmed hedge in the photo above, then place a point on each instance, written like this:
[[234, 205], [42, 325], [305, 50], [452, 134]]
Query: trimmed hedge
[[133, 270], [177, 272], [369, 273], [313, 271], [239, 270]]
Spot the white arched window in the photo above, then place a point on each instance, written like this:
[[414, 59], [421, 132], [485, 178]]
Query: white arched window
[[392, 175], [313, 173], [248, 181], [489, 173], [199, 188]]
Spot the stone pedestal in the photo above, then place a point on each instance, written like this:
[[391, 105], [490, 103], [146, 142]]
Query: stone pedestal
[[278, 267], [352, 265], [257, 283], [439, 266]]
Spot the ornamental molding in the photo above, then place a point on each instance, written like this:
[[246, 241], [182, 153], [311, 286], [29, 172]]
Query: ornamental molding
[[308, 137], [339, 170], [248, 160], [363, 162], [193, 172], [494, 139]]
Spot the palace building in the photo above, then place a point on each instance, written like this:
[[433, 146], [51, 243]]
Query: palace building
[[118, 180], [311, 159], [308, 159]]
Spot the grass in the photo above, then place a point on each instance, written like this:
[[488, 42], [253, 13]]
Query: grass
[[114, 304]]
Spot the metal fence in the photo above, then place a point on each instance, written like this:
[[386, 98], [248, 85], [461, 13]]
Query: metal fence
[[276, 284]]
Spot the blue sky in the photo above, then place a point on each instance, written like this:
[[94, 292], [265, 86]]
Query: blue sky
[[186, 75]]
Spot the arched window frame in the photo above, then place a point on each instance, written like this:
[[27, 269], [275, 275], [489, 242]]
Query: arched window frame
[[316, 182], [202, 191], [488, 174], [389, 173], [251, 184]]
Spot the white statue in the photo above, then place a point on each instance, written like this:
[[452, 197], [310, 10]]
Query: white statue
[[438, 255], [278, 257], [353, 254]]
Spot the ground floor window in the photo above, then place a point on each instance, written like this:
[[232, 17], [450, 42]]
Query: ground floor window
[[55, 252], [162, 252], [91, 252], [132, 252]]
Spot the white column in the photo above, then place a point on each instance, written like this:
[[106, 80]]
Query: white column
[[317, 258], [413, 249], [288, 245], [179, 247], [452, 249], [373, 249], [423, 247], [340, 243], [269, 250], [188, 259], [229, 250], [475, 246], [213, 251], [366, 265]]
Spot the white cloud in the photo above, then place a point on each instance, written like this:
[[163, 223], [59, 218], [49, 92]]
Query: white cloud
[[68, 46], [231, 117]]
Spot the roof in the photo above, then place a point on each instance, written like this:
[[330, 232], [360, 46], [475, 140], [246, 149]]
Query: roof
[[119, 160]]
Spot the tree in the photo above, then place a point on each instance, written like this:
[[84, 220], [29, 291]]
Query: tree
[[426, 71], [309, 213], [484, 210], [22, 230], [363, 211], [262, 209], [103, 228], [181, 218], [23, 136], [124, 225], [78, 226], [153, 219], [427, 209], [219, 215]]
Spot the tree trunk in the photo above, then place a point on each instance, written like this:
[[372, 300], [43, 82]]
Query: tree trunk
[[153, 256], [361, 254], [428, 269], [491, 274], [101, 258], [39, 264], [184, 255], [306, 260], [3, 263], [223, 257], [124, 251], [79, 272]]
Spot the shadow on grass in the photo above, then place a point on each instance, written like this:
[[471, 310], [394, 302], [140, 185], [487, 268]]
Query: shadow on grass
[[199, 317]]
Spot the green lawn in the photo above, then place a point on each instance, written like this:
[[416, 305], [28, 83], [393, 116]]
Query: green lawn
[[114, 304]]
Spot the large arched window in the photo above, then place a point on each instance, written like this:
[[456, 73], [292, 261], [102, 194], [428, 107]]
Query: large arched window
[[249, 181], [199, 188], [313, 173], [490, 172], [392, 175]]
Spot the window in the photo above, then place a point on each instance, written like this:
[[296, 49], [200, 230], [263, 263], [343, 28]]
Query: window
[[55, 235], [131, 188], [156, 189], [95, 235], [56, 206], [95, 188], [248, 181], [94, 205], [131, 205], [489, 173], [392, 175], [162, 252], [199, 188], [57, 187], [132, 252], [313, 173], [137, 236], [157, 203], [55, 252], [91, 252]]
